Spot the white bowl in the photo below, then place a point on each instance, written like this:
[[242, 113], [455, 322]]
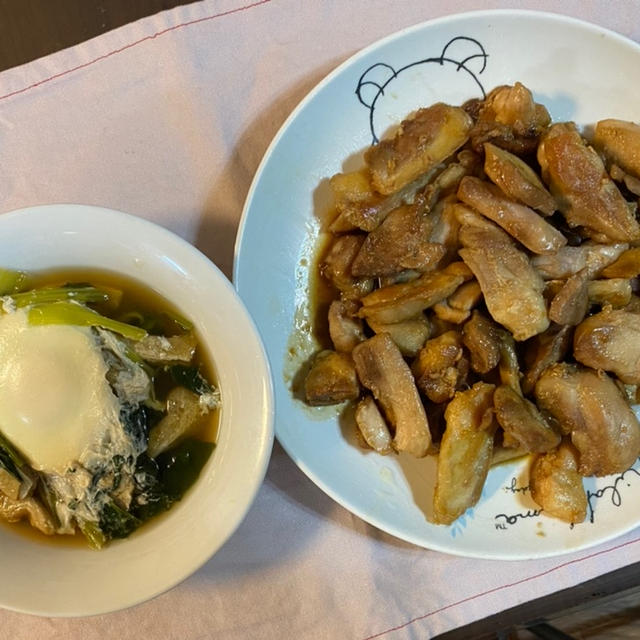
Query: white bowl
[[580, 72], [57, 580]]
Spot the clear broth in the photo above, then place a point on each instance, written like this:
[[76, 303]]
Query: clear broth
[[136, 297]]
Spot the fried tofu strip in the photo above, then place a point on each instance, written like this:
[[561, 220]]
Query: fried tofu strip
[[517, 179], [557, 486], [518, 220], [512, 288], [590, 406], [610, 340], [27, 509], [423, 141], [400, 242], [372, 426], [332, 379], [399, 302], [620, 143], [523, 422], [382, 369], [465, 452], [586, 195]]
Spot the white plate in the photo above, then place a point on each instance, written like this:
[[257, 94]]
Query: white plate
[[580, 72]]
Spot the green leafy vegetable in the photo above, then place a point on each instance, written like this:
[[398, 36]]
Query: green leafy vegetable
[[48, 295], [190, 378], [11, 281], [92, 532], [116, 522], [149, 497], [181, 466], [76, 314]]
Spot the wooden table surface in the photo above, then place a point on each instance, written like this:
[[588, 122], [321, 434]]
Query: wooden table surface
[[30, 29]]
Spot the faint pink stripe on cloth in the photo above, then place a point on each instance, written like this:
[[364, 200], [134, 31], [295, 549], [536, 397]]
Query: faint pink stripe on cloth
[[500, 588]]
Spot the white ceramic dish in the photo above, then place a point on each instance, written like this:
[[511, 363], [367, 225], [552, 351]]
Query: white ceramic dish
[[54, 580], [580, 72]]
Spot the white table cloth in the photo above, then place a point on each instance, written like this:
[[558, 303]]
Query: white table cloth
[[167, 118]]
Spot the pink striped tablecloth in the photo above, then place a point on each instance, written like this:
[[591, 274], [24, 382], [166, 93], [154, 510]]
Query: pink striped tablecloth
[[167, 118]]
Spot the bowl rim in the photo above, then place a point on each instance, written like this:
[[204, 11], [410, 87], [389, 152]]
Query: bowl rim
[[89, 216]]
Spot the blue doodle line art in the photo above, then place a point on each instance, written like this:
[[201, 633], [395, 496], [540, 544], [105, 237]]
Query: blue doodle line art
[[441, 59]]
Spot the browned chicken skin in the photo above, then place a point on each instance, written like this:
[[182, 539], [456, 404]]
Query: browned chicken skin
[[517, 179], [586, 195], [423, 141], [465, 452], [511, 119], [518, 220], [557, 486], [512, 288], [610, 340], [590, 406], [382, 369], [620, 143], [473, 265]]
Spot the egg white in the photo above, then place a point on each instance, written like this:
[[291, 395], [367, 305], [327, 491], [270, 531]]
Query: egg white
[[55, 402]]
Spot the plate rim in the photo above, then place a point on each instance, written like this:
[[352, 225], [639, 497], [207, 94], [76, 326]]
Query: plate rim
[[549, 16]]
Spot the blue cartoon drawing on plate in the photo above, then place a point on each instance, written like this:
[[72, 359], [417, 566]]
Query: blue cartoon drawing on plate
[[456, 67]]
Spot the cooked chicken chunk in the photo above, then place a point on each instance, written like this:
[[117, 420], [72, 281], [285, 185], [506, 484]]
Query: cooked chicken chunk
[[586, 195], [399, 302], [508, 367], [620, 143], [332, 379], [457, 307], [441, 368], [610, 340], [360, 206], [517, 179], [345, 327], [372, 426], [422, 142], [27, 509], [465, 452], [630, 182], [569, 306], [518, 220], [512, 288], [557, 486], [590, 406], [626, 266], [511, 119], [336, 266], [400, 242], [481, 336], [544, 350], [569, 260], [382, 369], [615, 292], [521, 419], [409, 335]]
